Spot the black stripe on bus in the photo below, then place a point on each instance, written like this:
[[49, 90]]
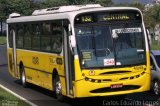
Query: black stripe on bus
[[79, 80], [37, 70], [61, 75], [40, 70]]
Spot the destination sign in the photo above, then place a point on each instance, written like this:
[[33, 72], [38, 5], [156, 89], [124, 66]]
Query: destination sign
[[119, 16], [108, 16], [84, 19]]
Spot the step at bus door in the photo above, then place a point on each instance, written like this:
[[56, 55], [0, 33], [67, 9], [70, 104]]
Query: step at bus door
[[68, 62]]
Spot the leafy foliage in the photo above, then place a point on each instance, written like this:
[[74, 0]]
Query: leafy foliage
[[153, 15], [53, 3], [102, 2], [10, 6]]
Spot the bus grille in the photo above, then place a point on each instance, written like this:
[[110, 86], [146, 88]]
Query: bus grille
[[109, 89], [115, 72], [111, 80]]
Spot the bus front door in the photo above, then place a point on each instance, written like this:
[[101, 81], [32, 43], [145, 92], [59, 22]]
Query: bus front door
[[68, 62]]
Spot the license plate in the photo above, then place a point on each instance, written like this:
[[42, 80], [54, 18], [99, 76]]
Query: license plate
[[114, 86]]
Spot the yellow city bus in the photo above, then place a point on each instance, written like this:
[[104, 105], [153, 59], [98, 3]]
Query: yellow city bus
[[80, 50]]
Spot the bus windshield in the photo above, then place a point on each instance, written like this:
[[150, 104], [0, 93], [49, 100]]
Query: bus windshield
[[110, 45]]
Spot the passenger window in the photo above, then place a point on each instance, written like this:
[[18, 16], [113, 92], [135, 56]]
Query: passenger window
[[19, 38], [46, 37], [10, 37], [56, 39], [36, 36], [27, 37]]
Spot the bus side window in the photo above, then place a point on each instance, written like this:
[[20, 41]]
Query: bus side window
[[45, 38], [56, 37], [19, 37], [36, 36], [10, 37], [27, 36]]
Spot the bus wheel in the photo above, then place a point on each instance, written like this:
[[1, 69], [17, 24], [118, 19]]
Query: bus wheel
[[58, 88], [23, 77], [156, 88]]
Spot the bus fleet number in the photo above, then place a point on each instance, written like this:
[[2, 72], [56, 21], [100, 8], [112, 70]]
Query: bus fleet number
[[35, 60]]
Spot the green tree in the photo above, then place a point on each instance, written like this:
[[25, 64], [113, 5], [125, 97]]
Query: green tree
[[155, 14], [152, 16], [137, 4], [104, 2], [3, 6], [54, 3], [78, 2], [23, 7]]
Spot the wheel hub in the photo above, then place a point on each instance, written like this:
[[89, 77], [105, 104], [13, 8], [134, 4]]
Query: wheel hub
[[58, 87], [23, 78]]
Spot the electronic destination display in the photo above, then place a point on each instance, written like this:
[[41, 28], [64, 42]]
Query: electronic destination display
[[108, 16]]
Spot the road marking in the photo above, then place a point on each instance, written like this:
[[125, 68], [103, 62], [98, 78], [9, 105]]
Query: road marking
[[18, 96]]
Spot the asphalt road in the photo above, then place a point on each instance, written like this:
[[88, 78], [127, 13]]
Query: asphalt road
[[43, 97]]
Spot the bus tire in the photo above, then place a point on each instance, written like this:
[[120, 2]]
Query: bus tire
[[58, 88], [156, 88], [23, 77]]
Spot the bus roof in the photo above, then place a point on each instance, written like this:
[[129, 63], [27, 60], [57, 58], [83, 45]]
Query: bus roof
[[70, 14], [64, 9]]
